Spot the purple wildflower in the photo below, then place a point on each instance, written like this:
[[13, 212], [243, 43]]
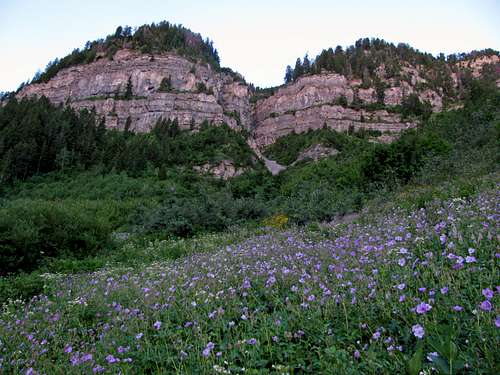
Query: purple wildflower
[[157, 325], [470, 259], [488, 293], [270, 281], [251, 341], [423, 308], [86, 358], [486, 305], [75, 360], [401, 286], [418, 331], [111, 359], [97, 369], [208, 349], [432, 356], [457, 308], [497, 321]]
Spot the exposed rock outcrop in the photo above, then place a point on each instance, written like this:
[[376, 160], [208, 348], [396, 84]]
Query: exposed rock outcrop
[[476, 65], [224, 170], [317, 100], [314, 101], [315, 153], [196, 93]]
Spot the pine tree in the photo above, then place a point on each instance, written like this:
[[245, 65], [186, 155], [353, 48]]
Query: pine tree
[[128, 91], [166, 84], [126, 130], [288, 74], [306, 65], [298, 70]]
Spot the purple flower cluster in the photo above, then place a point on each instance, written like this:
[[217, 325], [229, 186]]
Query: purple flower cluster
[[279, 281]]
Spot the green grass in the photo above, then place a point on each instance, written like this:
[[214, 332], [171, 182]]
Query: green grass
[[142, 306]]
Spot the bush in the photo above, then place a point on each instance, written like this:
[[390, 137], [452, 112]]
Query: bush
[[20, 287], [288, 148], [32, 231], [166, 84], [216, 211]]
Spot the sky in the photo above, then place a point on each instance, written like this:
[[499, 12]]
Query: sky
[[257, 38]]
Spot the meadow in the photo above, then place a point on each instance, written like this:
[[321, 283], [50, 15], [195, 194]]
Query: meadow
[[402, 291], [380, 260]]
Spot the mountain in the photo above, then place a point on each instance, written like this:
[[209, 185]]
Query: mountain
[[141, 233], [166, 71]]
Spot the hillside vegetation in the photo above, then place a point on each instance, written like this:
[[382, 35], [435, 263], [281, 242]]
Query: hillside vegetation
[[60, 169], [154, 38], [374, 61], [118, 255]]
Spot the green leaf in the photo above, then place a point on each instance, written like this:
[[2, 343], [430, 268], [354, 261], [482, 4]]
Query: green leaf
[[415, 363], [441, 365]]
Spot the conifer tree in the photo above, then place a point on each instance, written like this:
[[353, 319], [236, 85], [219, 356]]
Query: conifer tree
[[128, 91]]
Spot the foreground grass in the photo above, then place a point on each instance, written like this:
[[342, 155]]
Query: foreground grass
[[398, 292]]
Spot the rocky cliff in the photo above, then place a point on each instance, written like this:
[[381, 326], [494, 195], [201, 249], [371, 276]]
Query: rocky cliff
[[195, 93], [314, 101], [143, 88]]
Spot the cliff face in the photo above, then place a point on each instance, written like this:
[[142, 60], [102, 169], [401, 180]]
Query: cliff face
[[197, 93], [313, 101]]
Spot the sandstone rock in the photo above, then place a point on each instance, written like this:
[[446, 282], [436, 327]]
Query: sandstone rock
[[477, 64], [384, 138], [315, 153], [306, 92], [97, 85], [367, 96], [311, 103], [224, 170], [333, 116]]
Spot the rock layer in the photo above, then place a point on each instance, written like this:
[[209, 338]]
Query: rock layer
[[102, 85], [198, 93], [315, 101]]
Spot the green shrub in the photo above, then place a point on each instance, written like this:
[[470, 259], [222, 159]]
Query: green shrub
[[288, 148], [31, 231], [20, 287], [166, 84], [216, 211]]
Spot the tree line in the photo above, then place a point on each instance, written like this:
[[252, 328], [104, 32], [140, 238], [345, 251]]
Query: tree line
[[37, 137], [362, 60], [153, 38]]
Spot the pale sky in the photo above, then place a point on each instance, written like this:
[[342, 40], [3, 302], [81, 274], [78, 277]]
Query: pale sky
[[257, 38]]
